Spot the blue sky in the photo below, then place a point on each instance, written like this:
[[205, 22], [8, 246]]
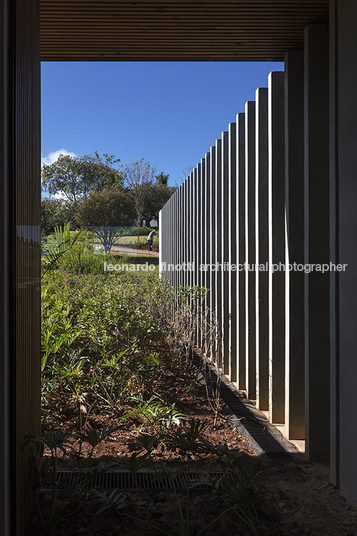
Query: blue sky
[[169, 113]]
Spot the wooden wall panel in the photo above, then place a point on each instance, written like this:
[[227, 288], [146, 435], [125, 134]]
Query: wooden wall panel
[[27, 194], [172, 30], [6, 289]]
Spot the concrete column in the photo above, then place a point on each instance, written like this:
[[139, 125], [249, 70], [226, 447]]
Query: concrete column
[[186, 216], [167, 218], [197, 221], [343, 193], [203, 236], [166, 238], [162, 242], [207, 219], [167, 241], [276, 208], [206, 248], [172, 241], [240, 200], [232, 249], [174, 237], [262, 249], [224, 274], [177, 234], [212, 275], [294, 252], [190, 228], [218, 250], [250, 301], [194, 226], [180, 231], [161, 257], [197, 224], [317, 320]]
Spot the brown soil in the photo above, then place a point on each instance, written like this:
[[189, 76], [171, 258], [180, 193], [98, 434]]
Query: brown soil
[[301, 501]]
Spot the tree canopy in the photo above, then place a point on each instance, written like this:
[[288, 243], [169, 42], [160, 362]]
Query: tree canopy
[[107, 212], [162, 178], [55, 212], [138, 176], [157, 196], [75, 178]]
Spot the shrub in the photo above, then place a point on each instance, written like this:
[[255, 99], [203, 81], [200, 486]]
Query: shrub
[[96, 330], [143, 231], [79, 260]]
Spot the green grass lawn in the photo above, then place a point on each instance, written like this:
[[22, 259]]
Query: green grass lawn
[[134, 243], [135, 240], [141, 259]]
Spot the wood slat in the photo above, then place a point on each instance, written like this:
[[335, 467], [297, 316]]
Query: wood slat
[[169, 29], [27, 198]]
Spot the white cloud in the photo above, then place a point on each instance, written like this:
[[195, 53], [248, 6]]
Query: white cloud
[[52, 157], [60, 195]]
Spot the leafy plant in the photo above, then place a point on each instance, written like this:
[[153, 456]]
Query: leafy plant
[[134, 463], [57, 245], [116, 500], [145, 441], [114, 381], [186, 440], [55, 441], [153, 360], [155, 414], [237, 487], [94, 437], [58, 334]]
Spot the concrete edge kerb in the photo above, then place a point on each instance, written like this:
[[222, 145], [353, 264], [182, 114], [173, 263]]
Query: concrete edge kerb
[[237, 424], [256, 415], [261, 418]]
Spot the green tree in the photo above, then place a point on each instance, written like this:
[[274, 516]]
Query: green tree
[[158, 196], [162, 179], [107, 212], [138, 176], [102, 173], [54, 213], [65, 177], [75, 178]]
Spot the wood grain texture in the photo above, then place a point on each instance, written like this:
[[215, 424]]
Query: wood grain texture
[[27, 196], [171, 30]]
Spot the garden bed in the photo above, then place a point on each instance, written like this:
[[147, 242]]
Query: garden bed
[[300, 501], [122, 398]]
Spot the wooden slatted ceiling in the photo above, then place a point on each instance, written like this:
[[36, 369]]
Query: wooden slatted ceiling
[[171, 30]]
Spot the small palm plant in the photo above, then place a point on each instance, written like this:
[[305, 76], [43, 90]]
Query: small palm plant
[[57, 245]]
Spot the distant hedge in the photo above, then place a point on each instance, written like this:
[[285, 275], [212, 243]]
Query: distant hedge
[[132, 231]]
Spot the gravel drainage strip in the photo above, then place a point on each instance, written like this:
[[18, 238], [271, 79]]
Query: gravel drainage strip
[[148, 481]]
